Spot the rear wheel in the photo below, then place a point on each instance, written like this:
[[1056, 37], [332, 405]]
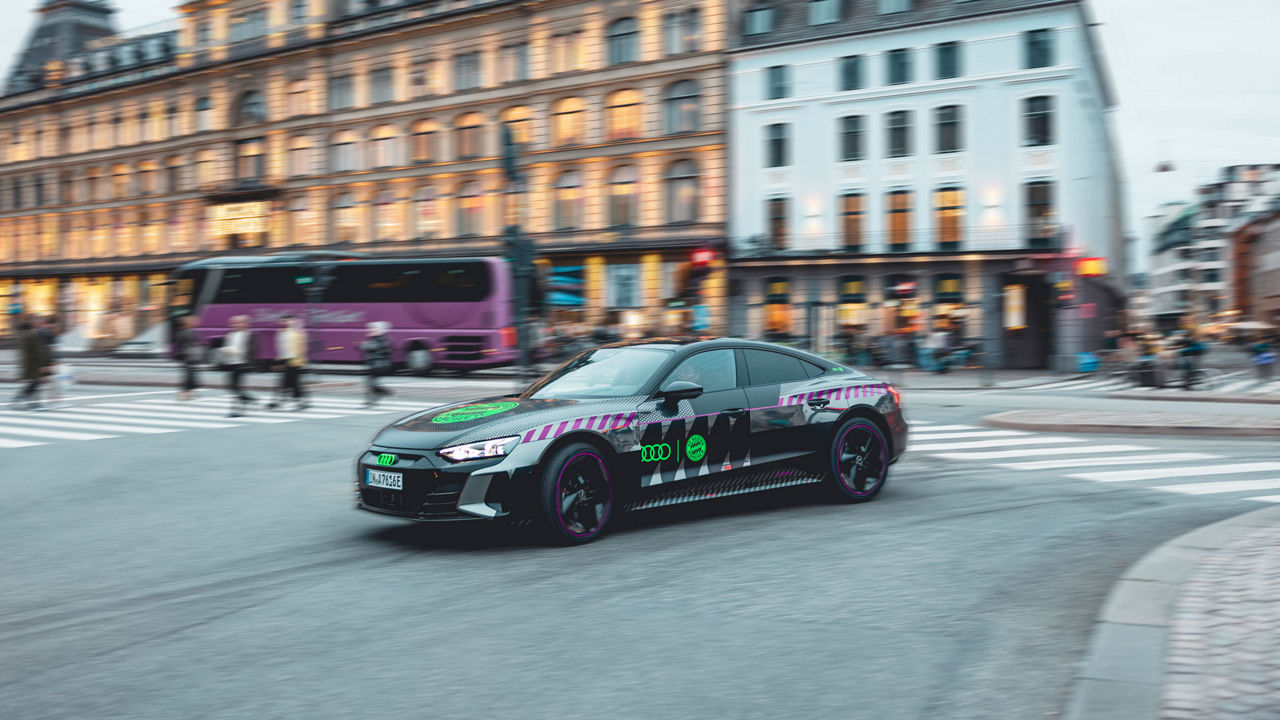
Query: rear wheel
[[859, 460], [417, 359], [576, 494]]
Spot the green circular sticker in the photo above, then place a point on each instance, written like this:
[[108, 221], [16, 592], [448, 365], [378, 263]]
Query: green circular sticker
[[473, 412], [695, 448]]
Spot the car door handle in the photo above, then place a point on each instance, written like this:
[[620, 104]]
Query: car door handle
[[819, 403], [733, 412]]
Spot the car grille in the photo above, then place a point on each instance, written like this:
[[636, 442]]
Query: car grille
[[428, 495], [464, 347]]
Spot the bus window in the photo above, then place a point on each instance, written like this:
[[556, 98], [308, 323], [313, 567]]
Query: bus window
[[275, 284], [186, 292], [409, 282]]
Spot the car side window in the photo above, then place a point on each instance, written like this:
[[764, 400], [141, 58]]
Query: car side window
[[768, 368], [713, 370], [813, 370]]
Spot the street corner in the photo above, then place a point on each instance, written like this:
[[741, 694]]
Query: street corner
[[1138, 423]]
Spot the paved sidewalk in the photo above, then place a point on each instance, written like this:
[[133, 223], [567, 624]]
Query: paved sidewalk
[[1192, 631], [1141, 423]]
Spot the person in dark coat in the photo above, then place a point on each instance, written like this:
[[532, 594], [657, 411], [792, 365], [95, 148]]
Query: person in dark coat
[[190, 354], [34, 354], [377, 356]]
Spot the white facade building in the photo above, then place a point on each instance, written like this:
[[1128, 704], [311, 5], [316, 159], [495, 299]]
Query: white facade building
[[971, 142]]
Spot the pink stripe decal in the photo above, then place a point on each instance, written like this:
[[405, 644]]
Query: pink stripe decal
[[560, 430], [618, 421], [590, 421], [529, 435], [577, 423], [546, 429]]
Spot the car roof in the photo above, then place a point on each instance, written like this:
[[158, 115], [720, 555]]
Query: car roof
[[687, 344]]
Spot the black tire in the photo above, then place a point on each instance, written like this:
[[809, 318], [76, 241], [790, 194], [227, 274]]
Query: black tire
[[418, 359], [858, 460], [576, 494]]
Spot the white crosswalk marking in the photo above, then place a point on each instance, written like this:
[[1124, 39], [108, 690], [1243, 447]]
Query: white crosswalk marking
[[8, 443], [1236, 386], [1169, 472], [62, 420], [1107, 460], [1053, 439], [1266, 498], [972, 434], [1214, 488], [141, 417], [1035, 452], [939, 428], [49, 433]]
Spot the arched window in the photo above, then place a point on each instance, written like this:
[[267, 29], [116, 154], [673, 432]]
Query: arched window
[[682, 192], [470, 209], [204, 114], [622, 196], [426, 218], [342, 152], [467, 129], [385, 226], [680, 107], [520, 121], [299, 157], [299, 99], [384, 146], [566, 122], [567, 202], [251, 110], [622, 115], [346, 219], [623, 40], [424, 141], [301, 221]]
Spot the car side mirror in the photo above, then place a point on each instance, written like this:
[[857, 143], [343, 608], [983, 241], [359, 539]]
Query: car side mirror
[[677, 390]]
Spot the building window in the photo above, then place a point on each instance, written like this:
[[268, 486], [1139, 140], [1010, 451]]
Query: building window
[[680, 32], [566, 52], [682, 192], [567, 203], [248, 26], [1037, 48], [622, 115], [852, 138], [776, 151], [173, 170], [950, 136], [299, 157], [204, 35], [566, 122], [300, 224], [251, 110], [513, 63], [148, 178], [894, 6], [758, 20], [776, 212], [947, 60], [424, 141], [1038, 118], [174, 122], [623, 285], [298, 104], [384, 147], [851, 72], [622, 196], [249, 161], [948, 217], [466, 71], [623, 40], [342, 154], [340, 94], [300, 11], [467, 129], [1042, 218], [385, 226], [899, 127], [777, 82], [426, 218], [519, 120], [120, 182], [853, 208], [470, 210], [144, 126], [346, 219], [898, 67], [680, 107], [898, 209], [823, 12], [382, 86]]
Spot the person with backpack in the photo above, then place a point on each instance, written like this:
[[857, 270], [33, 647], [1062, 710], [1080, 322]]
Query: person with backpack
[[377, 357], [34, 354]]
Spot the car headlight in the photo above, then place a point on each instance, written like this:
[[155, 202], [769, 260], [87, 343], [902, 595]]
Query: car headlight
[[482, 449]]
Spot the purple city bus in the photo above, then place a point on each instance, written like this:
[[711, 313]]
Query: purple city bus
[[452, 313]]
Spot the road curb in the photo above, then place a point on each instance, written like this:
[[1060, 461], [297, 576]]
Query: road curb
[[1122, 675], [1012, 420], [1197, 398]]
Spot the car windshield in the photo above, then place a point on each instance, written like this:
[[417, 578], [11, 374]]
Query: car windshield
[[601, 373]]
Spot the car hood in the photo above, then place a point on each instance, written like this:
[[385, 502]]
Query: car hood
[[488, 418]]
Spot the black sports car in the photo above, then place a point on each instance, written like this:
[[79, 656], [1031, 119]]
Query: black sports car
[[631, 426]]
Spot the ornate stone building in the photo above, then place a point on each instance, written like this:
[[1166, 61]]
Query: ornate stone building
[[373, 126]]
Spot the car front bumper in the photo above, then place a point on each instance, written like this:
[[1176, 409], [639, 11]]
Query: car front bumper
[[435, 490]]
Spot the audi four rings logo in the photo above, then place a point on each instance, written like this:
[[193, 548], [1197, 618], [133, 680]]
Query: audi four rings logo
[[653, 453]]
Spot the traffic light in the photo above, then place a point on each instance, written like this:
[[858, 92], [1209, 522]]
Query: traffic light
[[698, 269]]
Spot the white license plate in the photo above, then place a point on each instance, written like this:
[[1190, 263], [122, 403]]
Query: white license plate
[[384, 479]]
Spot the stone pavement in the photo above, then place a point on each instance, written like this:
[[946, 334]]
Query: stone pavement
[[1144, 423], [1192, 631]]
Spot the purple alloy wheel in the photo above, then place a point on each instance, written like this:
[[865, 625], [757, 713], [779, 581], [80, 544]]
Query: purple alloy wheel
[[860, 458], [584, 495]]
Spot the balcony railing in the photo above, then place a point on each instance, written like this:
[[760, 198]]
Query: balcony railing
[[921, 241]]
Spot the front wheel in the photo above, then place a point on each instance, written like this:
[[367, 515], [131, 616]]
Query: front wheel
[[859, 460], [576, 494]]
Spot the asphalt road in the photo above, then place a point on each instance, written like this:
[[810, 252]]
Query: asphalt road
[[223, 574]]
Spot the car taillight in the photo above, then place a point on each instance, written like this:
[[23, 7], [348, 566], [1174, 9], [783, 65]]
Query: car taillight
[[508, 336], [897, 397]]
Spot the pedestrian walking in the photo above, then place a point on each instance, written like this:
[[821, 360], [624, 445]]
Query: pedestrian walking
[[238, 353], [377, 356], [935, 346], [48, 331], [34, 354], [1189, 358], [291, 352], [1264, 359], [190, 353]]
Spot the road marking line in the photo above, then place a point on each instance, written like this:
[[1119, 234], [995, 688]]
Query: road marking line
[[942, 428], [1113, 460], [1052, 440], [173, 416], [208, 413], [1032, 452], [975, 434], [73, 424], [54, 434], [1158, 473], [360, 404], [7, 443], [1265, 498], [73, 398], [113, 416], [1213, 488]]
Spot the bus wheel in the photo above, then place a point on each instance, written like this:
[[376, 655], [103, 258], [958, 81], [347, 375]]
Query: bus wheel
[[418, 360]]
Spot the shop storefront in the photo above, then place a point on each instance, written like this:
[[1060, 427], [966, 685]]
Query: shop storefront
[[903, 312], [779, 315], [853, 313], [948, 308], [238, 225]]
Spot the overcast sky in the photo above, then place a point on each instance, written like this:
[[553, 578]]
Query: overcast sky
[[1198, 83]]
